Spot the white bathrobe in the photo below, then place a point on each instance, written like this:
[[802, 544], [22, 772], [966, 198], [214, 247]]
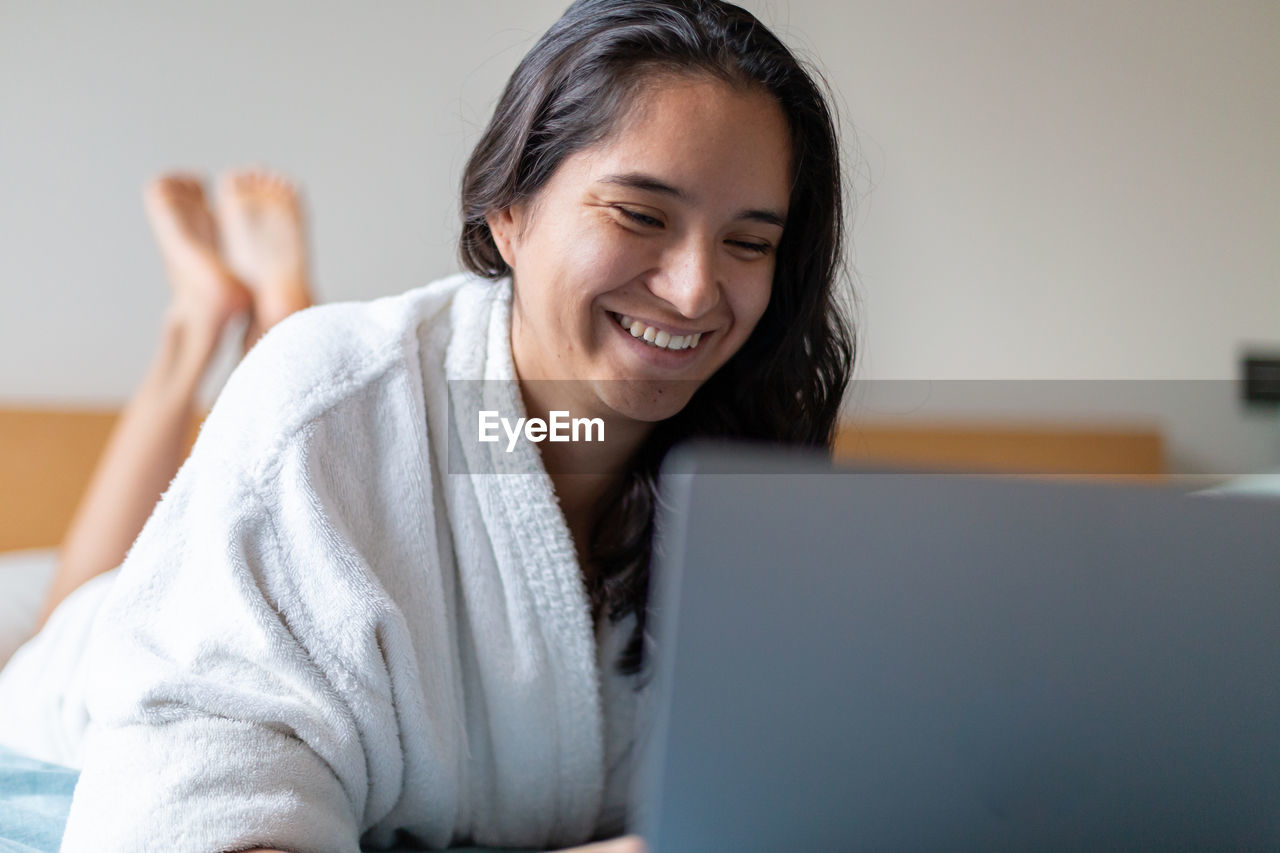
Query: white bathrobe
[[326, 633]]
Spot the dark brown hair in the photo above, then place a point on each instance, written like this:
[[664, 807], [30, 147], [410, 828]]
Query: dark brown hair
[[785, 384]]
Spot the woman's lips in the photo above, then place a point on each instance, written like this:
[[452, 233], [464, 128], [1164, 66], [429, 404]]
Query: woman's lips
[[651, 353], [657, 335]]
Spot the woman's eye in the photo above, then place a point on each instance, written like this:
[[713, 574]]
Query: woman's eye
[[641, 218], [647, 221], [757, 248]]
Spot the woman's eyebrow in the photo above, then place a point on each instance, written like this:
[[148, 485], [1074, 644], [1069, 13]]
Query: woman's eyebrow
[[641, 181]]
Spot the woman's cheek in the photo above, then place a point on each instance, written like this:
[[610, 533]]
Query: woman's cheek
[[759, 289], [613, 263]]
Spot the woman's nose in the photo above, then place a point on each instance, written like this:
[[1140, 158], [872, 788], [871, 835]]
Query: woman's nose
[[690, 282]]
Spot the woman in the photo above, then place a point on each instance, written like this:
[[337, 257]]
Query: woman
[[349, 620]]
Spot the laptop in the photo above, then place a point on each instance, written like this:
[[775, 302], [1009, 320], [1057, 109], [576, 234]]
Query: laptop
[[871, 661]]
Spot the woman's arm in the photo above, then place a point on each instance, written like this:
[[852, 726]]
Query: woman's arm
[[212, 717], [221, 705]]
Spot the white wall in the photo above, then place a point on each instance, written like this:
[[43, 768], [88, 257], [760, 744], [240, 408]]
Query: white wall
[[1064, 189]]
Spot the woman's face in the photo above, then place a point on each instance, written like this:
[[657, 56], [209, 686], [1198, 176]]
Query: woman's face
[[671, 225]]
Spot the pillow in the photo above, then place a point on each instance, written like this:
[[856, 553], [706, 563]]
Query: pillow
[[24, 579]]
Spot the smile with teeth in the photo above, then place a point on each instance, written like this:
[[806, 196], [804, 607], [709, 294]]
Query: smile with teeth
[[660, 338]]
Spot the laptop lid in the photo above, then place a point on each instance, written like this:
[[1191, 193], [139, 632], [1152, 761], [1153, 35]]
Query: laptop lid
[[855, 661]]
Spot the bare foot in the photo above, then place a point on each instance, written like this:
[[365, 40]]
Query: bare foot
[[206, 294], [260, 216]]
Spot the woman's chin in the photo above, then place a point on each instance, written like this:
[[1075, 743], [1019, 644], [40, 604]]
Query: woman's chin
[[646, 400]]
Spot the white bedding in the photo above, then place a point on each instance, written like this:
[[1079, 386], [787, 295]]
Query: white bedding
[[24, 579]]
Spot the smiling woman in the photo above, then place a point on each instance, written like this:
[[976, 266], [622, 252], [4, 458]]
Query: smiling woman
[[338, 627], [660, 225], [701, 161]]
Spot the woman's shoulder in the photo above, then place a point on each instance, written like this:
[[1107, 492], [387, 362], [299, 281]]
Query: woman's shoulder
[[340, 344], [346, 336], [308, 365]]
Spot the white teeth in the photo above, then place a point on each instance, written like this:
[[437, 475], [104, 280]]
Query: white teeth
[[657, 337]]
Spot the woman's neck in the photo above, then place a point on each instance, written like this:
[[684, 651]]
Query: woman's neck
[[583, 472]]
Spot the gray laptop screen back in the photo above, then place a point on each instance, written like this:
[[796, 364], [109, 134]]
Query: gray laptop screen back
[[873, 661]]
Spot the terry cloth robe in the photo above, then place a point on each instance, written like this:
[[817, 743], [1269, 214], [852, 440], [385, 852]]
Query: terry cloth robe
[[327, 635]]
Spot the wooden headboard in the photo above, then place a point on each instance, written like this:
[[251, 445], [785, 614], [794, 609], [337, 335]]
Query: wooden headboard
[[1047, 450], [47, 456], [46, 459]]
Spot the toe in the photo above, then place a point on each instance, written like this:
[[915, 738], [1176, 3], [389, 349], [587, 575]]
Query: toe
[[174, 187]]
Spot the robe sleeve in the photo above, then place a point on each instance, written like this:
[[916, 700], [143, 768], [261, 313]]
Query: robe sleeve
[[239, 696]]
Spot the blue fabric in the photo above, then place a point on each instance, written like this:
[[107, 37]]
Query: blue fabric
[[34, 800]]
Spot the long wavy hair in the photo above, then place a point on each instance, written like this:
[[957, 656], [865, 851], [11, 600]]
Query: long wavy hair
[[785, 384]]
